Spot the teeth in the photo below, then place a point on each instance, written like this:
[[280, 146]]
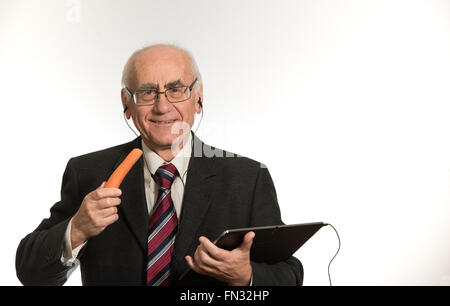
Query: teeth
[[163, 121]]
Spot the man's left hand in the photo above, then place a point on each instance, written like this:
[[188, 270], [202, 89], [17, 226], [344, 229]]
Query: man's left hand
[[232, 267]]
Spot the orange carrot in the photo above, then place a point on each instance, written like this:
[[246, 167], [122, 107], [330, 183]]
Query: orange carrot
[[119, 174]]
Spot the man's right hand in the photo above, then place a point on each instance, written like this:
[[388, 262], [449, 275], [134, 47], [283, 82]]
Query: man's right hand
[[97, 211]]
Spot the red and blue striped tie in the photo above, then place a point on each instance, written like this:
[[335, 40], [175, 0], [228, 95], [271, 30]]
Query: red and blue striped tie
[[162, 230]]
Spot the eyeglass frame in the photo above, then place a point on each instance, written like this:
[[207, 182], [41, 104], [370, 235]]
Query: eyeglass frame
[[159, 93]]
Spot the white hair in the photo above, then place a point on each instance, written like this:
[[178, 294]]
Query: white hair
[[129, 69]]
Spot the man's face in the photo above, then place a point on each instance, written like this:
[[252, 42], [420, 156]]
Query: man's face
[[162, 68]]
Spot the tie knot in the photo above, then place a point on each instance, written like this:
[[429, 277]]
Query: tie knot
[[166, 174]]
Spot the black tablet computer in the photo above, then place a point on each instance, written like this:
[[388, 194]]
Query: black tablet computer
[[271, 243]]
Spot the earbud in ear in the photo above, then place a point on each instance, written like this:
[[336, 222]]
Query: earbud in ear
[[125, 108], [200, 102]]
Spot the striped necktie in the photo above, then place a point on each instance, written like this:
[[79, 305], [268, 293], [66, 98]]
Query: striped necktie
[[162, 230]]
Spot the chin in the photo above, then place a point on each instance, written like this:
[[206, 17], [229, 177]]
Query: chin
[[162, 141]]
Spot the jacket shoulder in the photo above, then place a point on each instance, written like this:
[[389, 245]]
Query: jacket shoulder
[[105, 157], [228, 161]]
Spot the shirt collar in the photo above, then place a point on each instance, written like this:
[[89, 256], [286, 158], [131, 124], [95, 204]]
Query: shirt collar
[[180, 161]]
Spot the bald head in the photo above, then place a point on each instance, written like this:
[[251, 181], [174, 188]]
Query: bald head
[[159, 53], [161, 70]]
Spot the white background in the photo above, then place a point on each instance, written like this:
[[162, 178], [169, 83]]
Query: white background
[[346, 102]]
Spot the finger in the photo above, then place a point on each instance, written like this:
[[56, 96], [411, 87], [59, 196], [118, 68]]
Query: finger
[[247, 242], [205, 260], [111, 219], [107, 212], [199, 269], [196, 256], [94, 194], [191, 263], [101, 193], [202, 259], [215, 252], [108, 202]]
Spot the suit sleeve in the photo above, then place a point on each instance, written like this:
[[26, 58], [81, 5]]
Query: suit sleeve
[[266, 211], [38, 257]]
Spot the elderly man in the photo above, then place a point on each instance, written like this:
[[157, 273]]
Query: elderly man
[[172, 204]]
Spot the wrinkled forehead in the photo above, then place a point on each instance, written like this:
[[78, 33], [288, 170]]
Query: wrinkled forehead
[[161, 66]]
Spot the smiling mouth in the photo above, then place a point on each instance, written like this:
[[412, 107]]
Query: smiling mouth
[[163, 122]]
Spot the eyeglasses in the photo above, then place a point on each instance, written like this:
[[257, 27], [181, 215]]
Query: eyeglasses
[[173, 94]]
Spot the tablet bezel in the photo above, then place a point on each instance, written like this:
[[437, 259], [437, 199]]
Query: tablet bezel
[[272, 243]]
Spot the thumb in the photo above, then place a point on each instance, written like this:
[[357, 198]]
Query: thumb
[[247, 242], [103, 184]]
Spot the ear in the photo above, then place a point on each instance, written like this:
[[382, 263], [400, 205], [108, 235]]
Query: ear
[[125, 103], [199, 94]]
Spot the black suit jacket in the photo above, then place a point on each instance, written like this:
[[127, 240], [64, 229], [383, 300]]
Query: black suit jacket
[[222, 191]]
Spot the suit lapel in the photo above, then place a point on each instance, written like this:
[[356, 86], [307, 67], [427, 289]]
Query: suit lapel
[[133, 205], [196, 201]]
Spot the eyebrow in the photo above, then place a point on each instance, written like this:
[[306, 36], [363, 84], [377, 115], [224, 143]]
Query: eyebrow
[[148, 86], [172, 84]]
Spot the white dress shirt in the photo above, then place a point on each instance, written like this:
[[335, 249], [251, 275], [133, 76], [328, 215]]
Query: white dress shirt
[[152, 162]]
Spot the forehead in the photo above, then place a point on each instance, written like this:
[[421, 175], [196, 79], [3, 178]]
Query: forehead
[[160, 66]]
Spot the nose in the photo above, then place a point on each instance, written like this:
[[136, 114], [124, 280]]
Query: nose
[[162, 105]]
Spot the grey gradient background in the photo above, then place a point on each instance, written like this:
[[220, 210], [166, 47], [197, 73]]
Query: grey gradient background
[[346, 102]]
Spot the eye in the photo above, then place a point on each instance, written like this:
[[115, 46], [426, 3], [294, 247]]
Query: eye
[[146, 95], [149, 92]]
